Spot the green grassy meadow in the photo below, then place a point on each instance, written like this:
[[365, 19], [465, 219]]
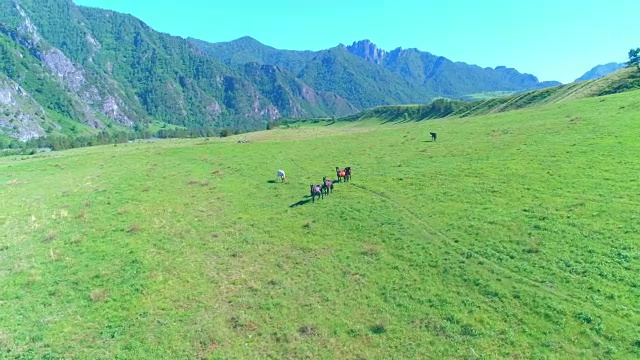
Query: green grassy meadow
[[515, 235]]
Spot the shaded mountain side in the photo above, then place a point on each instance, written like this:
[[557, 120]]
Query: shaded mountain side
[[454, 79], [624, 80], [293, 95], [360, 82]]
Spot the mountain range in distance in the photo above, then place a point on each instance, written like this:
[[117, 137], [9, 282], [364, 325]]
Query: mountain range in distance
[[68, 69], [368, 76]]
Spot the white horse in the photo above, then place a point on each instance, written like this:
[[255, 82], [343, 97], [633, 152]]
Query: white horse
[[281, 175]]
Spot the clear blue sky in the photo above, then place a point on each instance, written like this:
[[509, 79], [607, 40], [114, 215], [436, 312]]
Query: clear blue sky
[[552, 39]]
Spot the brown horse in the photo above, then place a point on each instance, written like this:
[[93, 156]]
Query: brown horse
[[340, 174]]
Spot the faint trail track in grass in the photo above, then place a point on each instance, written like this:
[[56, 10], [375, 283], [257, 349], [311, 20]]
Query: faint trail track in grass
[[304, 171], [524, 280]]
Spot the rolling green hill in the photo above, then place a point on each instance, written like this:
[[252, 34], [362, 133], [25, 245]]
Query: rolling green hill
[[513, 236], [627, 79]]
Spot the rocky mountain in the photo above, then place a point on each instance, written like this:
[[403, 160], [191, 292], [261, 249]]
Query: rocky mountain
[[368, 51], [600, 71], [367, 76], [62, 65]]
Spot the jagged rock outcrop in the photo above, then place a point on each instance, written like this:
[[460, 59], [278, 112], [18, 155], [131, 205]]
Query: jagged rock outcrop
[[368, 51]]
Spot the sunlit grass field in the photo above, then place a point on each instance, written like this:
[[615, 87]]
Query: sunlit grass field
[[515, 235]]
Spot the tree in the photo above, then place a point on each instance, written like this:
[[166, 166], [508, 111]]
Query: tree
[[634, 57]]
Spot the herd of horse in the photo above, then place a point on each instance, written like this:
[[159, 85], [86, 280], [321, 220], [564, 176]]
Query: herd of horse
[[326, 187], [320, 190]]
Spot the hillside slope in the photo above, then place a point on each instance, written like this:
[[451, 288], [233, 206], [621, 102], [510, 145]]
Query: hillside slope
[[621, 81]]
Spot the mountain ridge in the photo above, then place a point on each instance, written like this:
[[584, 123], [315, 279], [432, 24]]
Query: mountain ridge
[[409, 71], [599, 71]]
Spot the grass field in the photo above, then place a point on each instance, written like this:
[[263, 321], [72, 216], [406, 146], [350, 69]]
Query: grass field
[[514, 236]]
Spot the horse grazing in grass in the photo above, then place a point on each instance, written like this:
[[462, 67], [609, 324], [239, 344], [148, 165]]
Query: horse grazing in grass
[[433, 136], [347, 173], [340, 174], [281, 175], [316, 190], [327, 185]]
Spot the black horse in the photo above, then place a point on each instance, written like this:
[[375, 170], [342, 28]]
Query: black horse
[[316, 190], [433, 136], [327, 185], [347, 174]]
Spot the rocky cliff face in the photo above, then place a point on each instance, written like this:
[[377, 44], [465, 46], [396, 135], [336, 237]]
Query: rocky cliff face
[[89, 101], [21, 116], [368, 51]]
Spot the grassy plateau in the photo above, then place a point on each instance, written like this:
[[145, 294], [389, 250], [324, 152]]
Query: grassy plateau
[[516, 235]]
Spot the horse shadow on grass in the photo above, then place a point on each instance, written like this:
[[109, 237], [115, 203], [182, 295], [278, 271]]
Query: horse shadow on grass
[[271, 182], [301, 202]]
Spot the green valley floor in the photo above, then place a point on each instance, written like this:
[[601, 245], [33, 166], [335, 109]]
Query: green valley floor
[[515, 235]]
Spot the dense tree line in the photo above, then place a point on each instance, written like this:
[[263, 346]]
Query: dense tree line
[[64, 142]]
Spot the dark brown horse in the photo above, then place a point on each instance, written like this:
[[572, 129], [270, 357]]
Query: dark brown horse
[[347, 174], [316, 190], [340, 174], [327, 185], [434, 136]]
